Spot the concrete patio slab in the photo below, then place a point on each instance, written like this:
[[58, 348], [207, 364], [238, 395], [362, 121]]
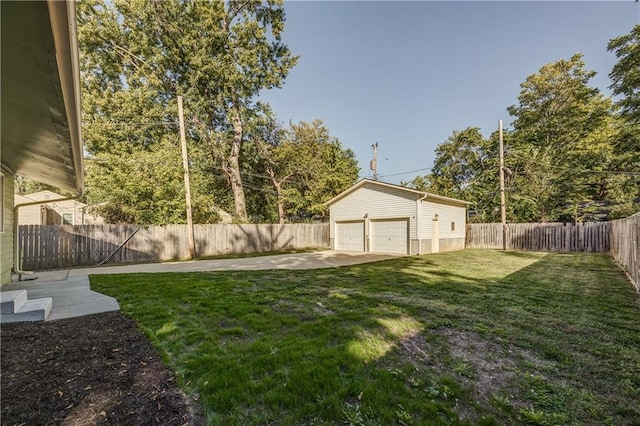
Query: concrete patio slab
[[72, 297]]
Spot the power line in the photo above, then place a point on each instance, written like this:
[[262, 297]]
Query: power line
[[406, 173]]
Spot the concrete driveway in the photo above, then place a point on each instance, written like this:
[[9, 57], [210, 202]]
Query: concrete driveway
[[315, 260], [73, 297]]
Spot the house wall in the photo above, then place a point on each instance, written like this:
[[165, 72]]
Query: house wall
[[59, 209], [53, 213], [30, 215], [447, 213], [6, 230], [377, 202]]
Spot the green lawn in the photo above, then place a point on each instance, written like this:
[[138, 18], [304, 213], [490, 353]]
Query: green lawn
[[476, 337]]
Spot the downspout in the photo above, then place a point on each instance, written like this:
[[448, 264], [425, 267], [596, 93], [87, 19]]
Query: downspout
[[418, 218], [16, 245]]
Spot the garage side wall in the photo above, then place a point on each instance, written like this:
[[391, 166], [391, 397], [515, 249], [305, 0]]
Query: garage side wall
[[377, 202], [451, 225]]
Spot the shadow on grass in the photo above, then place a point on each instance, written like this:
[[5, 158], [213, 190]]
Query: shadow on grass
[[472, 336]]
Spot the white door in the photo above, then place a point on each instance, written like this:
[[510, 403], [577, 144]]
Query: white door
[[350, 236], [390, 236]]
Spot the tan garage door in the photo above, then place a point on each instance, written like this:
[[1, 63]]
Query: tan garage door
[[349, 236], [390, 236]]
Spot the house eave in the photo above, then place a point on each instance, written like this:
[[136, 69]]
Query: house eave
[[41, 122]]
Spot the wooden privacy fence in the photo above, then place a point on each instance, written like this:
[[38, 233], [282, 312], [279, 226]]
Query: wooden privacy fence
[[620, 238], [590, 237], [64, 246], [625, 246]]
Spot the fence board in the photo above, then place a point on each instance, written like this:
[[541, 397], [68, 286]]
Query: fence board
[[63, 246], [620, 238], [625, 246], [553, 237]]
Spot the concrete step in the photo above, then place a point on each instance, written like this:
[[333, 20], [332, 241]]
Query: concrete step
[[24, 310], [11, 301]]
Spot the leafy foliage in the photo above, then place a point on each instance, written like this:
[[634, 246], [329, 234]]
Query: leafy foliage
[[137, 56], [561, 158], [625, 75], [307, 167]]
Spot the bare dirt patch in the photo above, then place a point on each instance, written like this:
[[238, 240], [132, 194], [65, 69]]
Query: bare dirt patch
[[488, 367], [96, 369]]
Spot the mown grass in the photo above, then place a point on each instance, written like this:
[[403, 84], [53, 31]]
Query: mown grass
[[470, 337]]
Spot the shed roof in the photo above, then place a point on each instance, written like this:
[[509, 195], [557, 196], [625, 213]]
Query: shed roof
[[426, 195]]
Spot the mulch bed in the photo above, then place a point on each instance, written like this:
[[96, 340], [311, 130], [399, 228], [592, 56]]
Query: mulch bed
[[96, 369]]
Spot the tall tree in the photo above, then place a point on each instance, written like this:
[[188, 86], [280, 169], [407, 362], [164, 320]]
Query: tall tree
[[625, 75], [565, 157], [625, 83], [307, 167], [137, 56], [465, 167], [569, 126]]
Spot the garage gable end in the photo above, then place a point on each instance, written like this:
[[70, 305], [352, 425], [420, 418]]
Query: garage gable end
[[374, 201]]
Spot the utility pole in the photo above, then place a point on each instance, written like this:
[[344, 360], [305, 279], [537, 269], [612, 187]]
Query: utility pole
[[503, 207], [374, 163], [187, 185]]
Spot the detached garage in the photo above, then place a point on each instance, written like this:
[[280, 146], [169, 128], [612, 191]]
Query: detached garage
[[374, 216]]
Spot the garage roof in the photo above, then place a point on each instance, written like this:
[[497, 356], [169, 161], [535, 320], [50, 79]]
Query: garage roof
[[420, 194], [41, 135]]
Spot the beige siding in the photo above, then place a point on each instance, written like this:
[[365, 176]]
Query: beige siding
[[53, 213], [377, 202], [446, 214], [6, 233], [74, 209], [30, 215]]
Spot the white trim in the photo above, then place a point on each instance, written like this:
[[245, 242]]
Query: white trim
[[428, 195], [73, 218]]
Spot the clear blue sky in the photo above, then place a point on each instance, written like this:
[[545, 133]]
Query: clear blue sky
[[407, 74]]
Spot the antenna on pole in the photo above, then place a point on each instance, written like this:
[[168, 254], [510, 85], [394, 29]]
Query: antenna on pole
[[373, 165]]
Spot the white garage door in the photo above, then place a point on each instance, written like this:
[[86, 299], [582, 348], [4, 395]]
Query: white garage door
[[390, 236], [350, 236]]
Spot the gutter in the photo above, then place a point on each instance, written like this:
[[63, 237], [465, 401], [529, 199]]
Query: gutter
[[62, 15], [418, 218], [16, 246]]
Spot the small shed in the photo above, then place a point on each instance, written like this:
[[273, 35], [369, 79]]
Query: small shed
[[374, 216]]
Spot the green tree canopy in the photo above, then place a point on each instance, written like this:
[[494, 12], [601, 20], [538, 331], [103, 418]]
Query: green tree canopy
[[137, 56], [562, 156], [625, 75], [307, 167]]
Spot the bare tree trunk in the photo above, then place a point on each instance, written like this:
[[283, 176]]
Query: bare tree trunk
[[232, 170], [278, 186], [231, 165], [281, 212]]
